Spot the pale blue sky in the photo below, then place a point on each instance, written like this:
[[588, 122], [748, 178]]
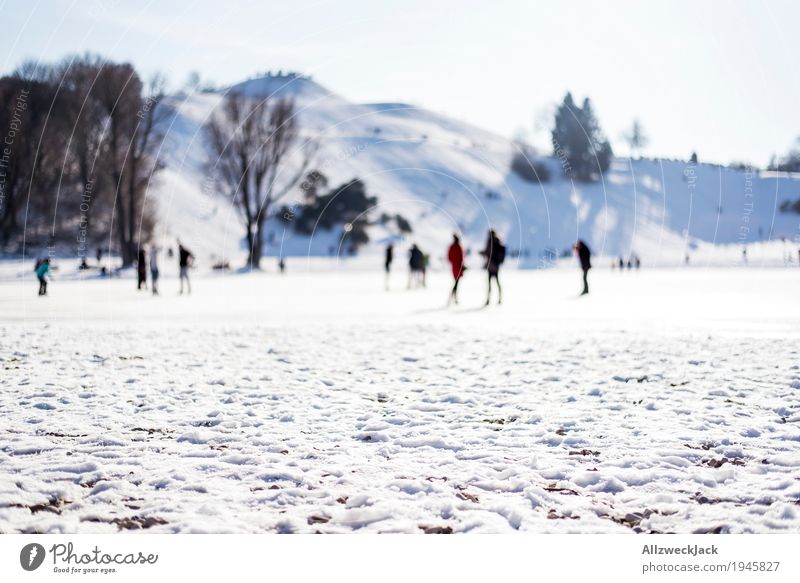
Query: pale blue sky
[[720, 77]]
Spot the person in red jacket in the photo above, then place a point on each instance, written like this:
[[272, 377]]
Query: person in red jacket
[[455, 255]]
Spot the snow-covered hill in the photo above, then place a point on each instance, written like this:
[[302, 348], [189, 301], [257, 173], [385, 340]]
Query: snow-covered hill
[[445, 176]]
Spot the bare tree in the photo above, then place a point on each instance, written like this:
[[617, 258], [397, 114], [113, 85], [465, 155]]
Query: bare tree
[[77, 134], [29, 159], [78, 78], [143, 160], [129, 135], [252, 146], [17, 120]]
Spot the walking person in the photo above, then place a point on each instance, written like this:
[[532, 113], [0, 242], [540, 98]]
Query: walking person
[[141, 269], [185, 258], [415, 266], [42, 268], [387, 264], [455, 255], [495, 254], [584, 256], [154, 268]]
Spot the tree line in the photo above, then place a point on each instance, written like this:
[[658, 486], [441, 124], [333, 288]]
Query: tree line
[[78, 155]]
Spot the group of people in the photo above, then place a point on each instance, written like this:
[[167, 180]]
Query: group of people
[[151, 255], [417, 266], [141, 269], [494, 255], [633, 261], [185, 260]]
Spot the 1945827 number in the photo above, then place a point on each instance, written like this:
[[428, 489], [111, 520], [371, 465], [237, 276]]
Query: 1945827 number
[[765, 566]]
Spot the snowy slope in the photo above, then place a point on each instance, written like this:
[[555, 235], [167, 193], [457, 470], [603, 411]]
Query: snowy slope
[[446, 175]]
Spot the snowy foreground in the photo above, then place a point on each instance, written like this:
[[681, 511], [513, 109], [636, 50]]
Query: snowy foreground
[[667, 401]]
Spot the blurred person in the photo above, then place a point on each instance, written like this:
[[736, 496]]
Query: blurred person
[[495, 255], [387, 264], [42, 269], [141, 269], [185, 260], [584, 256], [455, 255], [416, 262], [154, 268]]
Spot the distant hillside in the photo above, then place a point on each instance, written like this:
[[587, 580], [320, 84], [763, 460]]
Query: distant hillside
[[445, 175]]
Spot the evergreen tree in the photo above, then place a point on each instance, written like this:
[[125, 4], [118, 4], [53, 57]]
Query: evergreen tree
[[347, 206], [579, 142]]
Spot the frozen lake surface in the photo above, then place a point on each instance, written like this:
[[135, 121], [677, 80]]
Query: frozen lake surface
[[666, 401]]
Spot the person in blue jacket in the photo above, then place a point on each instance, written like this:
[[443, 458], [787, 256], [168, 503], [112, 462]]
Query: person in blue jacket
[[42, 269]]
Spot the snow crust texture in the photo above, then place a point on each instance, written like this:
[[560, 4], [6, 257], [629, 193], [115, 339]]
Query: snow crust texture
[[425, 420]]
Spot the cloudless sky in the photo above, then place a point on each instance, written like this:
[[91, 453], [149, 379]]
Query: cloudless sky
[[719, 77]]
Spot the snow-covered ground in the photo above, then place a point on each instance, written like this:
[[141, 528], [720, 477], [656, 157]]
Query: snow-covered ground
[[667, 400]]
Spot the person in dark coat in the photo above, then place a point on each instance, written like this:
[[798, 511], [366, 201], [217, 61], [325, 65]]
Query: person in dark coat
[[416, 265], [455, 255], [584, 256], [141, 270], [387, 264], [154, 251], [495, 255], [389, 258], [184, 261]]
